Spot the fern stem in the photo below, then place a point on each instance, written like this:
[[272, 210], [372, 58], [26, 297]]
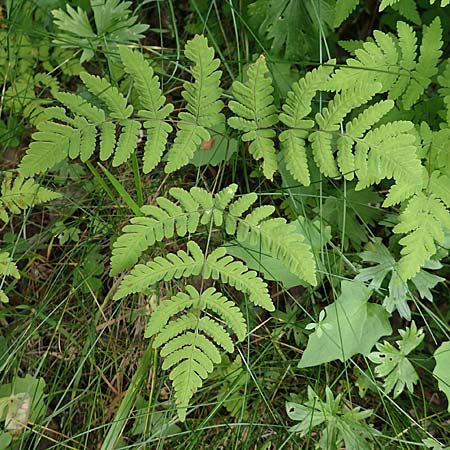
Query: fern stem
[[137, 179], [122, 414]]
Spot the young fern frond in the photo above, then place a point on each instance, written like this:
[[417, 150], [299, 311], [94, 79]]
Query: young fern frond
[[424, 219], [153, 104], [389, 152], [393, 63], [203, 104], [190, 343], [256, 114], [296, 108], [342, 10], [21, 194]]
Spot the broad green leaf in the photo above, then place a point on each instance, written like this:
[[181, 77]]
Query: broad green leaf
[[352, 325], [441, 372]]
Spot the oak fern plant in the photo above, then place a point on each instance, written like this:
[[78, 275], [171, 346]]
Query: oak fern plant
[[355, 136]]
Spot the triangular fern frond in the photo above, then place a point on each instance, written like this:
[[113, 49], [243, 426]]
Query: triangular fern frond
[[153, 104], [424, 219], [21, 194], [296, 108], [256, 114], [189, 343], [203, 105], [393, 62]]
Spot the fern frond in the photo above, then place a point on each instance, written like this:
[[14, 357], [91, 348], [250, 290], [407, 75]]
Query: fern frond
[[8, 268], [439, 185], [217, 265], [256, 114], [21, 194], [203, 105], [424, 219], [426, 68], [127, 142], [153, 103], [444, 91], [189, 342], [354, 131], [162, 268], [296, 108]]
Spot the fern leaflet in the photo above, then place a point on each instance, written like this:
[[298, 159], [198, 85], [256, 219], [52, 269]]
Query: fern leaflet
[[296, 108], [189, 343], [21, 194], [203, 104], [153, 102], [392, 62], [256, 114], [425, 219]]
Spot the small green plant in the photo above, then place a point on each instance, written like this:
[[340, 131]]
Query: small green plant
[[341, 425]]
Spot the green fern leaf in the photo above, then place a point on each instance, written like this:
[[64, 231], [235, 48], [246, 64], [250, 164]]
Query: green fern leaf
[[389, 152], [171, 266], [158, 223], [354, 131], [78, 105], [425, 219], [280, 240], [110, 95], [237, 209], [203, 104], [8, 268], [256, 114], [188, 343], [153, 102], [329, 121], [426, 68], [444, 91], [392, 62], [21, 194], [296, 108], [439, 185], [342, 10], [221, 266], [127, 142], [51, 145], [107, 140]]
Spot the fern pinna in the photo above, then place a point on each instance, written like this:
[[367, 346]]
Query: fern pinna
[[191, 342]]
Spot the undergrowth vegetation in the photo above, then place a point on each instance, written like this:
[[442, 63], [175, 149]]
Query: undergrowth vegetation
[[225, 224]]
